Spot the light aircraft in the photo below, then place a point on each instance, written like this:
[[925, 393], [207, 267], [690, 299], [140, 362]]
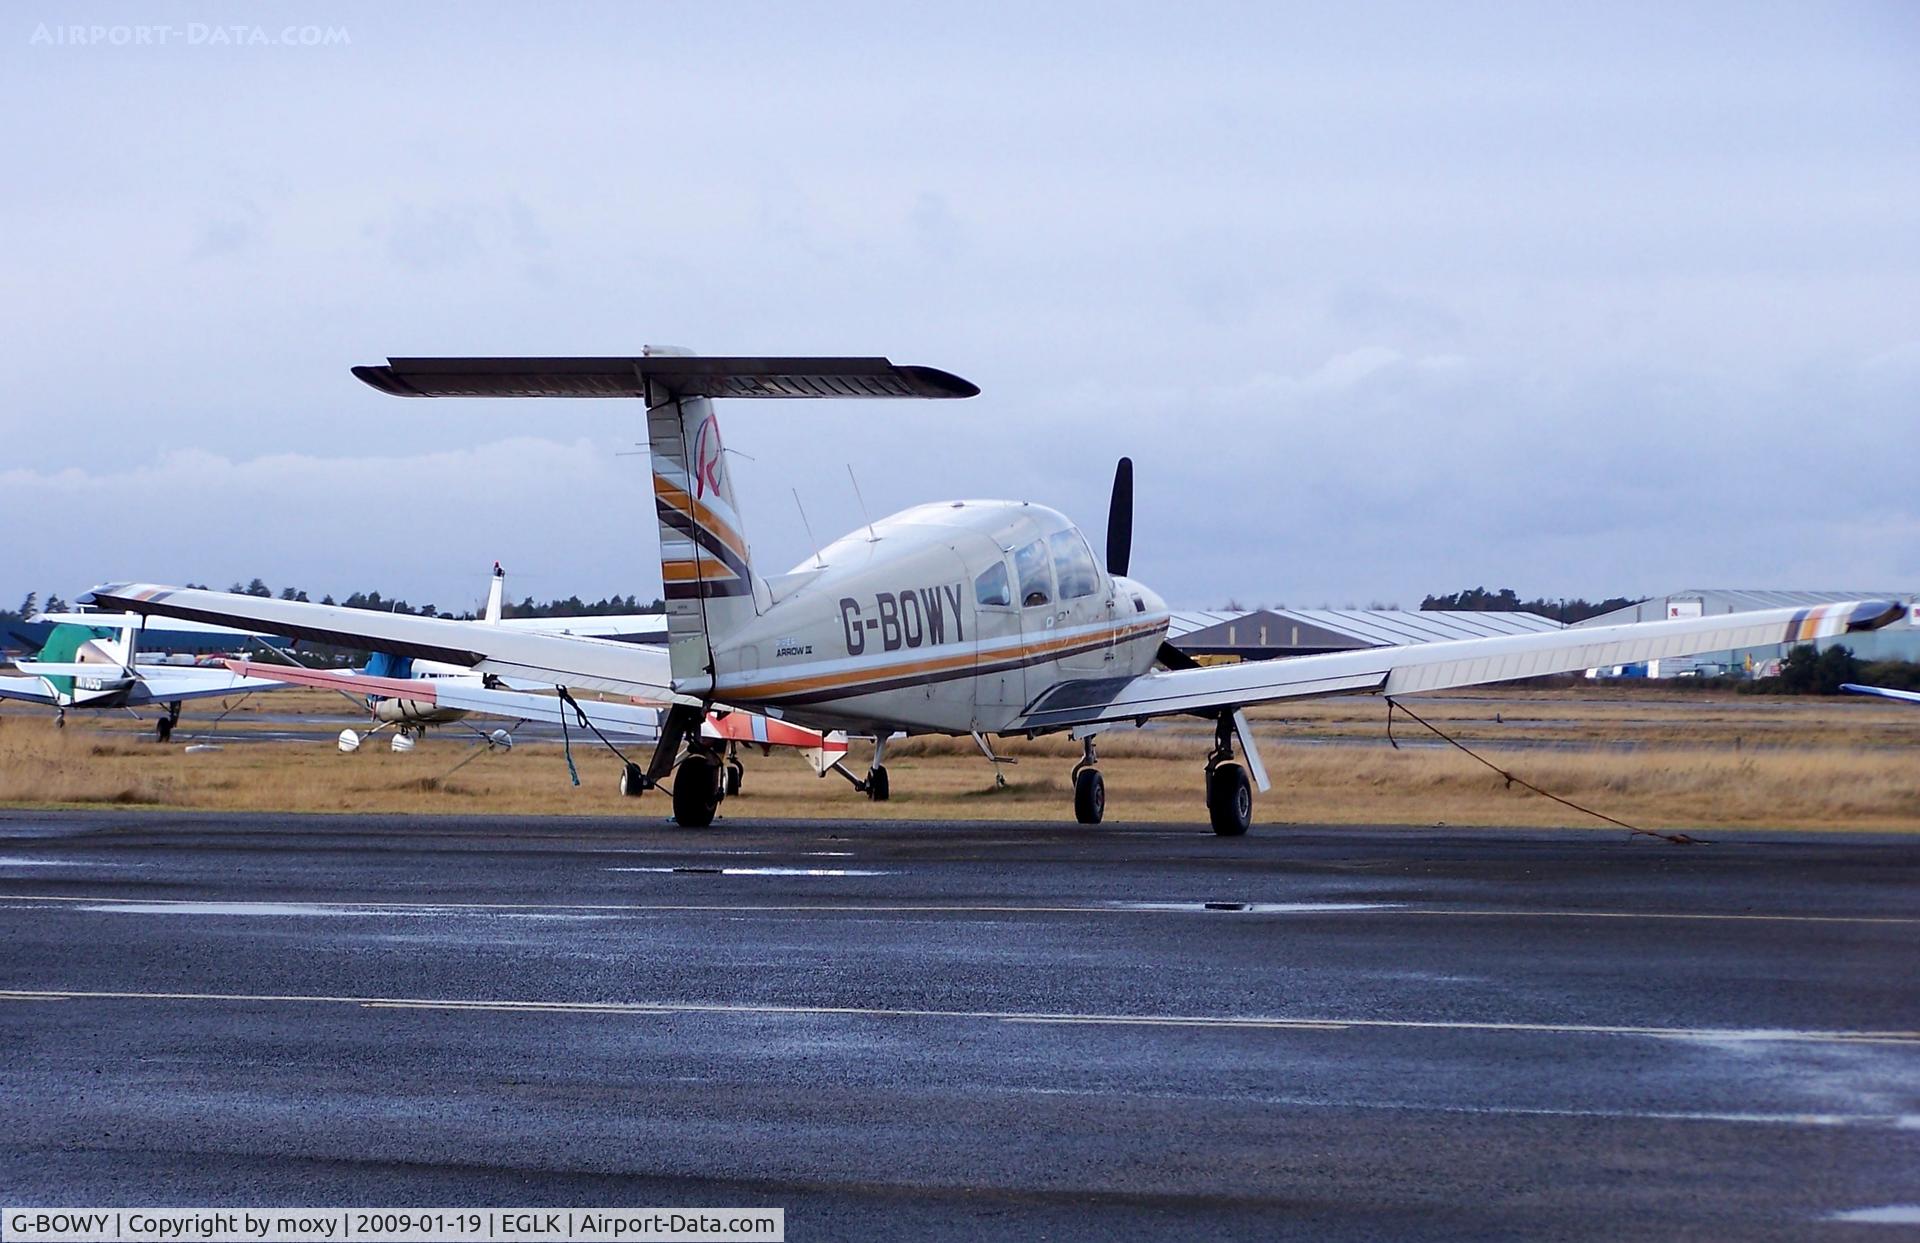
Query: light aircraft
[[89, 662], [409, 696], [962, 617]]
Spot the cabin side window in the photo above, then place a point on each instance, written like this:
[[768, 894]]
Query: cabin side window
[[1073, 565], [1036, 587], [993, 587]]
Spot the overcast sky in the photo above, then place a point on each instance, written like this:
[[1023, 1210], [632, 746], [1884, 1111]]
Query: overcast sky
[[1382, 300]]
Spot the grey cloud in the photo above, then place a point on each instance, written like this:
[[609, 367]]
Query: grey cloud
[[1384, 301]]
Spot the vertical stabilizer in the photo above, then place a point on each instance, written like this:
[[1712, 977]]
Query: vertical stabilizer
[[496, 594], [705, 565]]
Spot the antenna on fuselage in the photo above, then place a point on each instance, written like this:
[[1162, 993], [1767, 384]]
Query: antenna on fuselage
[[808, 527], [871, 537]]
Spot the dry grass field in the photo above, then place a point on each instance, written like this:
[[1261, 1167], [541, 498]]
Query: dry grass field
[[1657, 759]]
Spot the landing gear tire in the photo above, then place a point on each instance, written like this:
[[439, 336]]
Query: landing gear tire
[[633, 782], [696, 792], [163, 729], [1229, 799], [1089, 796], [877, 787], [736, 777]]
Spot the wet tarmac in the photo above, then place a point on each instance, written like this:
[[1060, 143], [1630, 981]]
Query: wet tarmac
[[967, 1030]]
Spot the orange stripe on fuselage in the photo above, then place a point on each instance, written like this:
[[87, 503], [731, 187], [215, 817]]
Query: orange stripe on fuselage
[[850, 680]]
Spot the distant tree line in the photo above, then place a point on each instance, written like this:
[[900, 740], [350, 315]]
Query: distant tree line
[[571, 606], [1506, 600]]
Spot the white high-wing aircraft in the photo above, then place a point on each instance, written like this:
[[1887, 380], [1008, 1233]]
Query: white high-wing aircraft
[[958, 617], [411, 695], [90, 662]]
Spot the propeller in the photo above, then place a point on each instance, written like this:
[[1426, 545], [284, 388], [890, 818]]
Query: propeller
[[1120, 519]]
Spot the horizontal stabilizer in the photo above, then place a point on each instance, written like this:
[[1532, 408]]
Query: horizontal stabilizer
[[659, 377]]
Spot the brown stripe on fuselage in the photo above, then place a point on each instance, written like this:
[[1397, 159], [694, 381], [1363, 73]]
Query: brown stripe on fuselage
[[959, 664]]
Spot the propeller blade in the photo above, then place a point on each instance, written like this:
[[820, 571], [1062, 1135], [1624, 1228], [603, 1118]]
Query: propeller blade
[[1120, 519]]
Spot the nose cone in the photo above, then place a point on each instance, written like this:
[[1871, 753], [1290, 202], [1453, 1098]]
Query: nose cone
[[1129, 591]]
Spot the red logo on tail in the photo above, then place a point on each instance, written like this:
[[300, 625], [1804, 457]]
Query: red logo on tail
[[706, 458]]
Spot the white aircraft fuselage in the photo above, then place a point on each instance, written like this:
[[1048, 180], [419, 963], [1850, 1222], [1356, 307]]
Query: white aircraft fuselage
[[947, 617]]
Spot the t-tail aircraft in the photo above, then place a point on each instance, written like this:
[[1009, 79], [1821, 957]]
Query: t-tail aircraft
[[88, 663], [961, 617]]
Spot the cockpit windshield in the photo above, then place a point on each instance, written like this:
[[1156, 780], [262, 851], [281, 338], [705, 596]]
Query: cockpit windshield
[[1073, 565], [1030, 563]]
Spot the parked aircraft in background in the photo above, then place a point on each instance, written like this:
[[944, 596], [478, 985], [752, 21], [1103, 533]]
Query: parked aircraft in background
[[961, 617], [410, 695], [91, 663]]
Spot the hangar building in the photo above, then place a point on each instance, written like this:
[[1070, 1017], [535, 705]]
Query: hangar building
[[1265, 633], [1900, 641]]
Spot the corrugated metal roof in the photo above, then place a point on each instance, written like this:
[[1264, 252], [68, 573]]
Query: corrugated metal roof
[[1716, 600], [1378, 627], [1395, 627], [1186, 621]]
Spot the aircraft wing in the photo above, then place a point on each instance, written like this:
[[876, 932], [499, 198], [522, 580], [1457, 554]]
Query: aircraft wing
[[1437, 666], [577, 661], [629, 627], [33, 690], [189, 682], [628, 720], [635, 720], [1884, 692]]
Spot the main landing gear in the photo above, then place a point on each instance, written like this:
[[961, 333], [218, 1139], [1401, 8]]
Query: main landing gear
[[1089, 787], [1229, 790], [736, 771], [163, 728], [876, 786], [701, 778], [1229, 784], [698, 786]]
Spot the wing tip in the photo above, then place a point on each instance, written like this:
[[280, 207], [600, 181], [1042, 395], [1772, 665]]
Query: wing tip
[[1874, 614], [933, 382], [385, 379]]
